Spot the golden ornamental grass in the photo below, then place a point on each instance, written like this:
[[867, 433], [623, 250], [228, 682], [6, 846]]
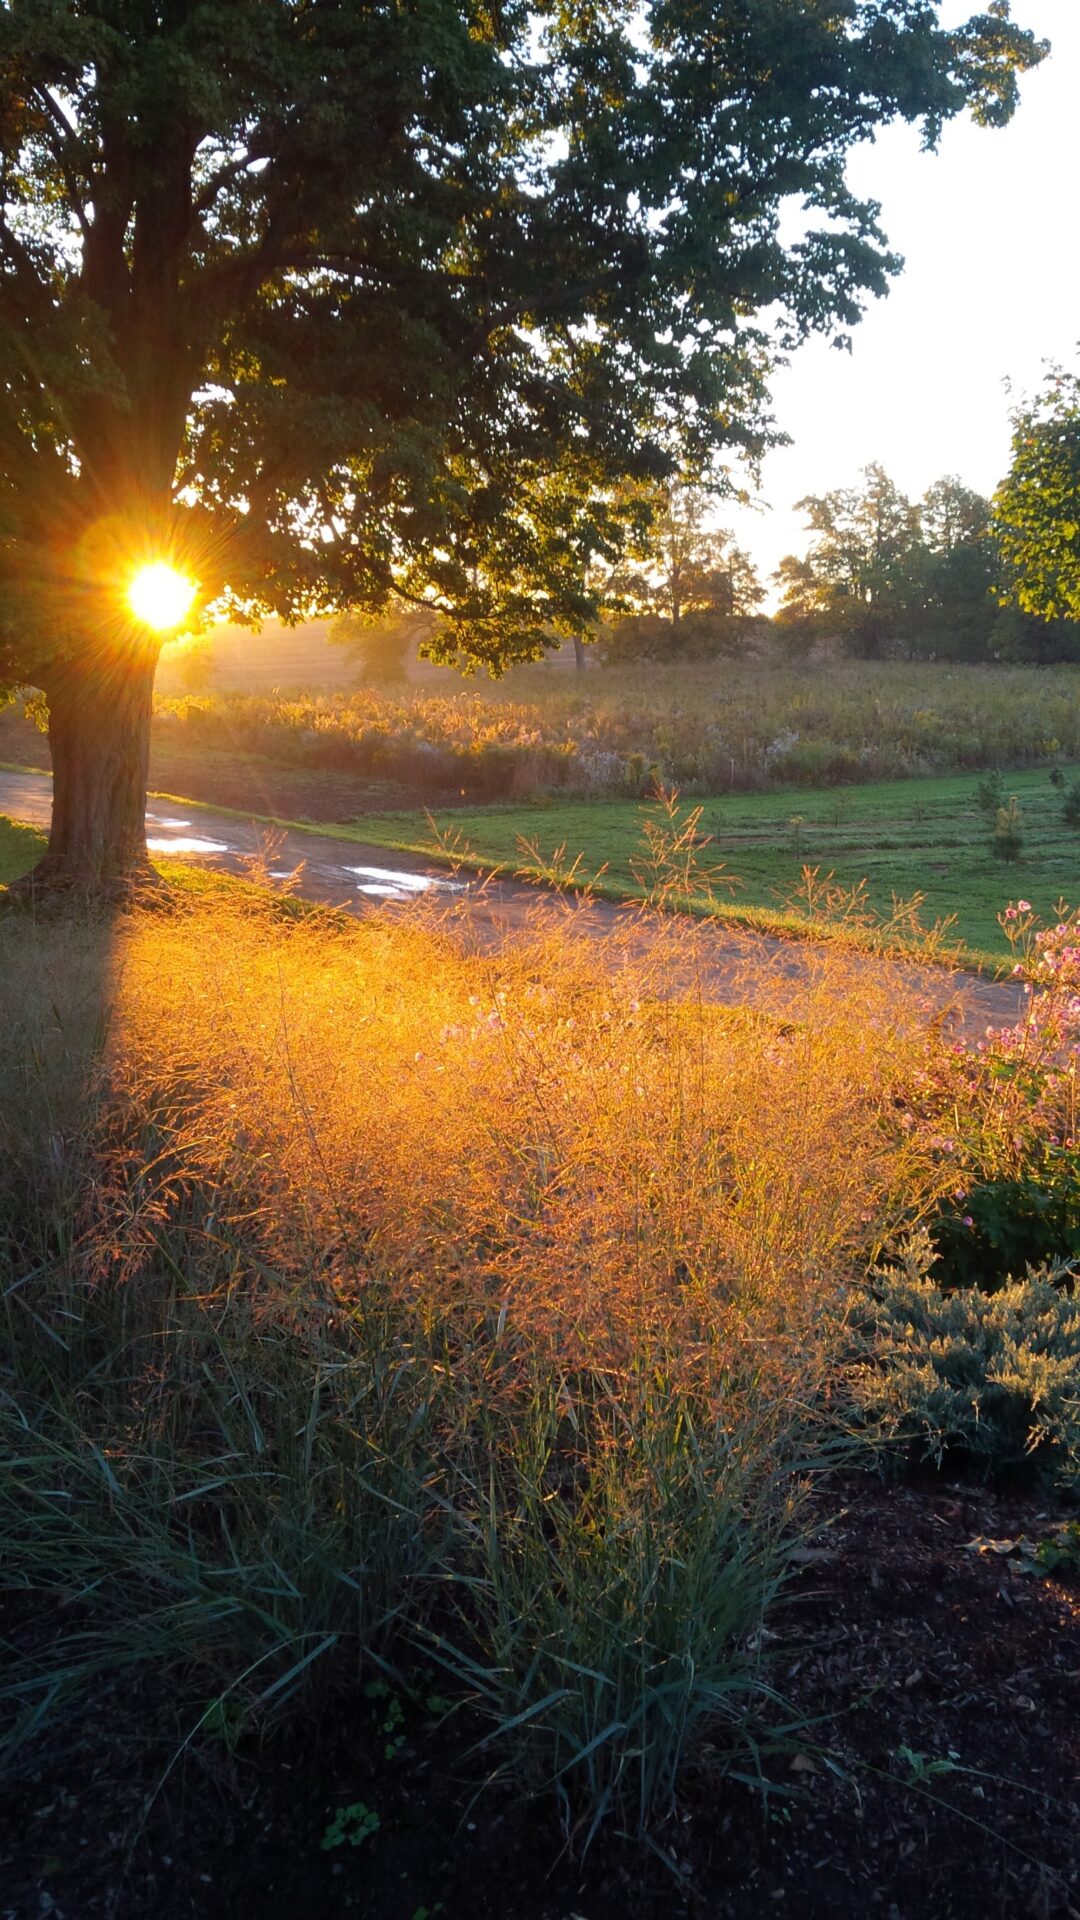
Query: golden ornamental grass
[[532, 1133], [366, 1290]]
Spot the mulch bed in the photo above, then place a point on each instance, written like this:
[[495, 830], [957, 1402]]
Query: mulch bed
[[941, 1776]]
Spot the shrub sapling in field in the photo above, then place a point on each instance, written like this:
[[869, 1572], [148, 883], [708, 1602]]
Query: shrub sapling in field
[[990, 792], [1007, 840]]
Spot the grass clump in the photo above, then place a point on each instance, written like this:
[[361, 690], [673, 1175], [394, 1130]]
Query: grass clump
[[625, 1560], [368, 1299], [371, 1299]]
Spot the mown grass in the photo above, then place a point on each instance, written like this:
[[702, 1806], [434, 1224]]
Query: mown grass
[[928, 837], [789, 863], [20, 849]]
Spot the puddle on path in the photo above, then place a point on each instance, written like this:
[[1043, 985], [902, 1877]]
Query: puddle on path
[[184, 843], [390, 883]]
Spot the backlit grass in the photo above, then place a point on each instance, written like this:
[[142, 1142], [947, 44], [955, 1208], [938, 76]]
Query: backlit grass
[[366, 1298], [359, 1290]]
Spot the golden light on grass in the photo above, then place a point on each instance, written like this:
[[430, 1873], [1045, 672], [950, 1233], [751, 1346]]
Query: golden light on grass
[[160, 596]]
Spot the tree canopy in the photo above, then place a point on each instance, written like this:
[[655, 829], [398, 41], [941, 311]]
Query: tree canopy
[[885, 574], [1037, 506], [684, 587], [860, 570], [328, 300]]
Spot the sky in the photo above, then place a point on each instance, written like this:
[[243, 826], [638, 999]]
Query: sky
[[989, 228]]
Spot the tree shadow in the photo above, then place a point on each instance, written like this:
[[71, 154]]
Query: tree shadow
[[59, 971]]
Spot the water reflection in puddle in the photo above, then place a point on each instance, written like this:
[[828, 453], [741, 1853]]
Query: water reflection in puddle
[[159, 820], [184, 843], [389, 883]]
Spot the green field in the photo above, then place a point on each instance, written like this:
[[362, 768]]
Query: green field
[[903, 837], [19, 848]]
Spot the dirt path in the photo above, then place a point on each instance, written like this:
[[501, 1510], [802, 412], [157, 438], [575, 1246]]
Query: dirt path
[[356, 877]]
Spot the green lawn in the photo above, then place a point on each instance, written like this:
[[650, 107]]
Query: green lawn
[[20, 847], [902, 837]]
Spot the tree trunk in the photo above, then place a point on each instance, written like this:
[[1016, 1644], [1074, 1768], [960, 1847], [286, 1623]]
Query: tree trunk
[[99, 738], [579, 653]]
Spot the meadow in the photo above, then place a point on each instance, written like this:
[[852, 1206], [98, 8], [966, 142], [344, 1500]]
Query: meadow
[[427, 1372], [733, 721], [723, 727]]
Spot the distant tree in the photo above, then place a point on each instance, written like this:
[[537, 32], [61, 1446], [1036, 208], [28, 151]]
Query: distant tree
[[193, 664], [952, 515], [802, 618], [686, 589], [383, 644], [1023, 639], [959, 608], [312, 301], [887, 575], [862, 575], [1037, 506]]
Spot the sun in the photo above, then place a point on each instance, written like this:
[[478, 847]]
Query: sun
[[161, 597]]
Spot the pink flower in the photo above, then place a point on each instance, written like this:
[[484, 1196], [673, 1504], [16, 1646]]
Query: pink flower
[[1024, 906], [968, 1221]]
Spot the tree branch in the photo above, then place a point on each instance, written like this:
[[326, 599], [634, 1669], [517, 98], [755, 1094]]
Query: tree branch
[[205, 199], [62, 126]]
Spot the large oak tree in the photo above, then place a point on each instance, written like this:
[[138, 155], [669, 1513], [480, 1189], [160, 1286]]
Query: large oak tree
[[324, 300]]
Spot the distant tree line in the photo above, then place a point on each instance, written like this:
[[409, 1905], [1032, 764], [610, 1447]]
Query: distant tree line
[[683, 591], [939, 578]]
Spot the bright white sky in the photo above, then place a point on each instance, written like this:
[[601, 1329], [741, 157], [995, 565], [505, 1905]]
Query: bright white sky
[[989, 230]]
